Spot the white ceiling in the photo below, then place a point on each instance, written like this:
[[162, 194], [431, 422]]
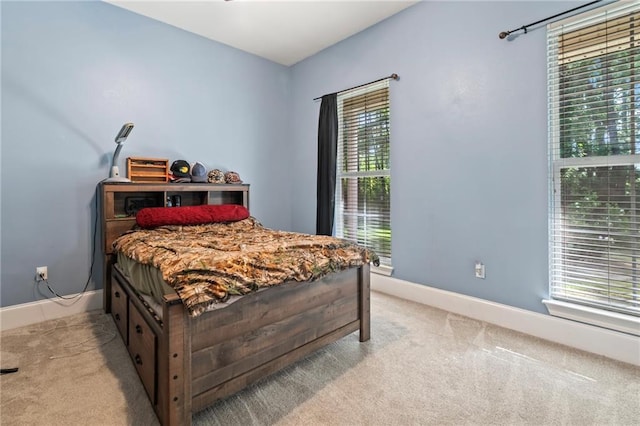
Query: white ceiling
[[285, 32]]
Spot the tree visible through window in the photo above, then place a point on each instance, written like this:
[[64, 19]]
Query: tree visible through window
[[363, 188], [594, 79]]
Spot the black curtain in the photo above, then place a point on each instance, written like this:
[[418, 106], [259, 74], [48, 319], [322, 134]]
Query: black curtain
[[327, 147]]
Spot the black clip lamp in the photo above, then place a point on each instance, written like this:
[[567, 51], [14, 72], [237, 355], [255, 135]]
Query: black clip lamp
[[114, 175]]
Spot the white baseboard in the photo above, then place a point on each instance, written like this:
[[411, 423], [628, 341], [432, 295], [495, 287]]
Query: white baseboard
[[601, 341], [44, 310], [612, 344]]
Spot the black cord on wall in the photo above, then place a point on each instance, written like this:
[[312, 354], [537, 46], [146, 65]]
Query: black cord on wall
[[93, 259]]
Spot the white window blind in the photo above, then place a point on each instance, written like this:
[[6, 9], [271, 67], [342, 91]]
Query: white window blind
[[594, 150], [363, 171]]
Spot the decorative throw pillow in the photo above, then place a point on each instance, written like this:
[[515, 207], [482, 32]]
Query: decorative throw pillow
[[151, 217]]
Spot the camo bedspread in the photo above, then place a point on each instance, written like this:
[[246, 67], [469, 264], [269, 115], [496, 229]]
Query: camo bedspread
[[206, 264]]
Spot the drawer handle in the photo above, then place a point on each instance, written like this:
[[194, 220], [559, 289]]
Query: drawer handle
[[138, 329], [117, 294], [117, 317], [138, 359]]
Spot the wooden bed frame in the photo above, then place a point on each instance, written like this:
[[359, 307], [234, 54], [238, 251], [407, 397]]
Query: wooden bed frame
[[186, 364]]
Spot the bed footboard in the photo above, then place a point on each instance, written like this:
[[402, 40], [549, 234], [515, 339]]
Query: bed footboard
[[200, 360]]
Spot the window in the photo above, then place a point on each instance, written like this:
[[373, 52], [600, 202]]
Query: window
[[594, 137], [363, 171]]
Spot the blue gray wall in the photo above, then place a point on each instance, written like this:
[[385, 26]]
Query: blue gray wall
[[469, 142], [72, 74], [469, 136]]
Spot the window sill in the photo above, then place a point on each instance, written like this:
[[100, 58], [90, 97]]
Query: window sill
[[382, 270], [599, 317]]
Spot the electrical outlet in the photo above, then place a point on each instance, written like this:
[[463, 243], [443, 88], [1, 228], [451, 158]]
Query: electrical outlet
[[479, 270], [41, 273]]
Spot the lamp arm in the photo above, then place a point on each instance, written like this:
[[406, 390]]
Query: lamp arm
[[114, 173], [116, 154]]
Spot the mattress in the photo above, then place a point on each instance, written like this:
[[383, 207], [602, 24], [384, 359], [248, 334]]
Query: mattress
[[145, 279]]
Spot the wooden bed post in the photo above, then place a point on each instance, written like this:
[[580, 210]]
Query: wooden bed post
[[174, 364], [364, 302], [106, 204]]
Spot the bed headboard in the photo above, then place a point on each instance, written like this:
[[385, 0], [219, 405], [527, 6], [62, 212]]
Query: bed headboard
[[120, 201]]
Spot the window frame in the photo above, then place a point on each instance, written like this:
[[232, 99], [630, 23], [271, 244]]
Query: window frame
[[385, 267], [556, 304]]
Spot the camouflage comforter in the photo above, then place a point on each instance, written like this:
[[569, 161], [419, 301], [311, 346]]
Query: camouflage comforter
[[205, 264]]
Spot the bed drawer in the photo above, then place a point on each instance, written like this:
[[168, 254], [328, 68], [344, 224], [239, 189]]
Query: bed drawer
[[119, 309], [142, 347]]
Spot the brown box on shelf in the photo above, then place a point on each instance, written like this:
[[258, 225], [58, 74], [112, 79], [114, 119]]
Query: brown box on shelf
[[140, 169]]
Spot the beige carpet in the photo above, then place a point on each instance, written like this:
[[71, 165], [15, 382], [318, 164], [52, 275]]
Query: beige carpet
[[423, 366]]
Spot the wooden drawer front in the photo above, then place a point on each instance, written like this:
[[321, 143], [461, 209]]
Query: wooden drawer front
[[119, 309], [142, 347]]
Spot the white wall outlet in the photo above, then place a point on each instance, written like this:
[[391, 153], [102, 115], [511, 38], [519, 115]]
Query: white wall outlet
[[41, 273], [479, 270]]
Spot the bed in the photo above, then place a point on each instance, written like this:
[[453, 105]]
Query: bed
[[207, 331]]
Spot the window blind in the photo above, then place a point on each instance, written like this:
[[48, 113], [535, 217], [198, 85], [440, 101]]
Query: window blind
[[363, 169], [594, 152]]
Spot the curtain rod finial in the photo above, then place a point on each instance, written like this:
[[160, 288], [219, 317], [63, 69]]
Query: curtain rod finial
[[395, 76], [503, 34]]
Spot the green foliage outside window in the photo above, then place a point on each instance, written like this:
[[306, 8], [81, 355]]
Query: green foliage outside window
[[364, 175], [600, 203]]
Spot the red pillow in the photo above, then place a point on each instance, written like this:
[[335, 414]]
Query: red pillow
[[150, 217]]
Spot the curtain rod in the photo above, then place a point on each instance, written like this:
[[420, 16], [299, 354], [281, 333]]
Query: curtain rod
[[504, 34], [393, 76]]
